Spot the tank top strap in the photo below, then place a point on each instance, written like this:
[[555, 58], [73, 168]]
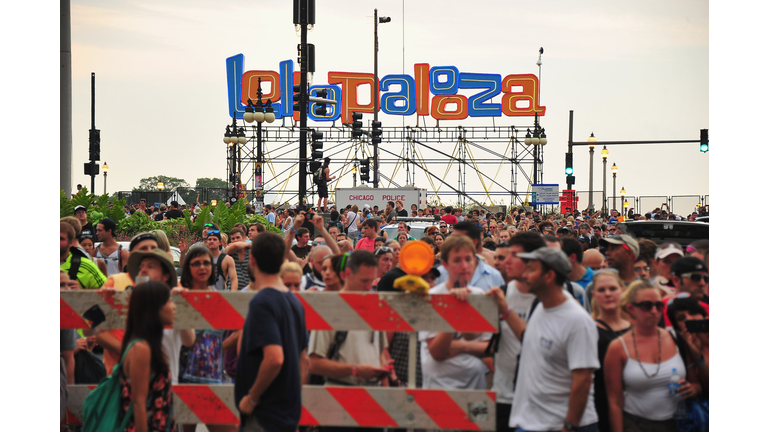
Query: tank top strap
[[625, 346]]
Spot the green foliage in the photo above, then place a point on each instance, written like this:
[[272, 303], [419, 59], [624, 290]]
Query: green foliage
[[138, 222], [205, 182], [254, 218], [65, 205], [82, 198], [169, 183]]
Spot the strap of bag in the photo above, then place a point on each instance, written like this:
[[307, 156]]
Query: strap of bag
[[338, 339], [220, 264]]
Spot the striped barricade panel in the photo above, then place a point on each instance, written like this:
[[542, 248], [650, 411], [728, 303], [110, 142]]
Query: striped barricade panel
[[323, 311], [335, 406]]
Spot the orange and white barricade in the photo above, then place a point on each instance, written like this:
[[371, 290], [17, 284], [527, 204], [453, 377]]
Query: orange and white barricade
[[321, 405]]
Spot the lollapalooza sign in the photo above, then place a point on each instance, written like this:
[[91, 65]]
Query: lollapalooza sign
[[436, 86]]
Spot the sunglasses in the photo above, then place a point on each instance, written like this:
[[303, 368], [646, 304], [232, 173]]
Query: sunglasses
[[696, 277], [207, 225], [383, 249], [214, 232], [690, 249], [443, 226], [642, 269], [647, 305], [200, 264]]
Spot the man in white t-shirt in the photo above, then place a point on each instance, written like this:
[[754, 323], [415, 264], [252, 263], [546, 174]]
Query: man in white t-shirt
[[554, 389], [514, 306], [452, 360]]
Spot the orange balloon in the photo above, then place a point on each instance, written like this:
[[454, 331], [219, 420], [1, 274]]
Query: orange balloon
[[416, 258]]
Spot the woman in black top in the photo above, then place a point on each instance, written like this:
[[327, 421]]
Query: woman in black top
[[611, 323]]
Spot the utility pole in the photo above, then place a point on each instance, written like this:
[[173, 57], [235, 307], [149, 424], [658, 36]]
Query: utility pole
[[94, 138], [304, 16]]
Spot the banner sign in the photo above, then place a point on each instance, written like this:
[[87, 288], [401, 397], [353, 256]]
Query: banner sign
[[545, 194], [430, 91]]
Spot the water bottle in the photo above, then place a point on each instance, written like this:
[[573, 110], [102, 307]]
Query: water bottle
[[681, 412]]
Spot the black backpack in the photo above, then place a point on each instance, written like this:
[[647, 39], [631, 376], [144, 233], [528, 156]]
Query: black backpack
[[317, 176]]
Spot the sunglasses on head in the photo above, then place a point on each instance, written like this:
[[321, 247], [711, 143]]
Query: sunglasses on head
[[696, 277], [207, 225], [647, 305], [383, 249]]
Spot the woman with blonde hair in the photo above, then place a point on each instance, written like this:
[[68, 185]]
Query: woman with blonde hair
[[290, 274], [640, 365], [611, 323]]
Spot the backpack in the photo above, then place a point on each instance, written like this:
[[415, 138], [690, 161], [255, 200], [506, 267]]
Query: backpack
[[317, 176], [74, 264], [101, 409], [219, 265]]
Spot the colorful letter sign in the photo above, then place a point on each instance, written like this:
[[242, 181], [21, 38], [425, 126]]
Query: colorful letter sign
[[431, 90]]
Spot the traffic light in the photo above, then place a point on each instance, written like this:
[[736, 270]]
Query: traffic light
[[571, 180], [376, 132], [568, 163], [357, 124], [94, 144], [317, 145], [297, 99], [365, 170], [704, 138], [320, 109]]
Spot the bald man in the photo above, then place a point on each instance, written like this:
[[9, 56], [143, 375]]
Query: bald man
[[593, 259]]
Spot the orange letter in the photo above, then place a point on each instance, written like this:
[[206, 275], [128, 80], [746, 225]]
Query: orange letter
[[421, 76], [251, 85], [530, 93], [349, 82]]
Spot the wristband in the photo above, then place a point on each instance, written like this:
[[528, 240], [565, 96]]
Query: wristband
[[701, 362], [506, 313], [354, 370], [293, 230], [250, 399]]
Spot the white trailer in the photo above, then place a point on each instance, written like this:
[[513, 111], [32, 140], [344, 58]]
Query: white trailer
[[379, 197]]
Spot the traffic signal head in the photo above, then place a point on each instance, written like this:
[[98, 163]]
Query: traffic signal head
[[376, 132], [569, 163], [94, 144], [317, 145], [357, 124], [297, 102], [704, 141], [365, 170], [320, 109]]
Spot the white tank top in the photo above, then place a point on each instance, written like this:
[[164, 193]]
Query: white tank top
[[112, 261], [649, 398]]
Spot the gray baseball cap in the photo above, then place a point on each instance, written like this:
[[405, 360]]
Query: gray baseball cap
[[553, 258], [623, 239]]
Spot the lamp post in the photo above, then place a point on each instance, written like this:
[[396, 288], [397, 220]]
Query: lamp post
[[537, 138], [604, 154], [105, 168], [614, 171], [623, 201], [160, 187], [591, 141], [232, 137], [259, 113], [376, 21]]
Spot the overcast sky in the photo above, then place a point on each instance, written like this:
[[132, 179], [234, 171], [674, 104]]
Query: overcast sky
[[630, 71]]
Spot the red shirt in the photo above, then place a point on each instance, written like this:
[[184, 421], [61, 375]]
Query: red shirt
[[366, 243], [450, 219], [667, 322]]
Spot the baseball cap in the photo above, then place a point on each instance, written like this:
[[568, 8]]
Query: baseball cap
[[667, 251], [688, 265], [162, 256], [584, 239], [553, 258], [109, 224], [78, 207], [366, 206], [622, 239]]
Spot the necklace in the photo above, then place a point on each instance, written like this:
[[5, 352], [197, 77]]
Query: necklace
[[637, 354]]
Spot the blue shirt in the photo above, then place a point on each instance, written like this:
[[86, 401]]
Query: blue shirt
[[485, 277], [271, 218], [587, 279]]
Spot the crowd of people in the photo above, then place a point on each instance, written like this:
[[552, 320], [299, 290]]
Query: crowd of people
[[592, 321]]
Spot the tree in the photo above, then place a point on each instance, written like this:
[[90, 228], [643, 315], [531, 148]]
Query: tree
[[216, 188], [205, 182], [171, 184]]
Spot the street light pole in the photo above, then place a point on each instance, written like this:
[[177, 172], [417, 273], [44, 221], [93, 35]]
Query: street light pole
[[105, 167], [259, 113], [376, 21], [592, 141], [623, 201], [604, 154], [614, 171]]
